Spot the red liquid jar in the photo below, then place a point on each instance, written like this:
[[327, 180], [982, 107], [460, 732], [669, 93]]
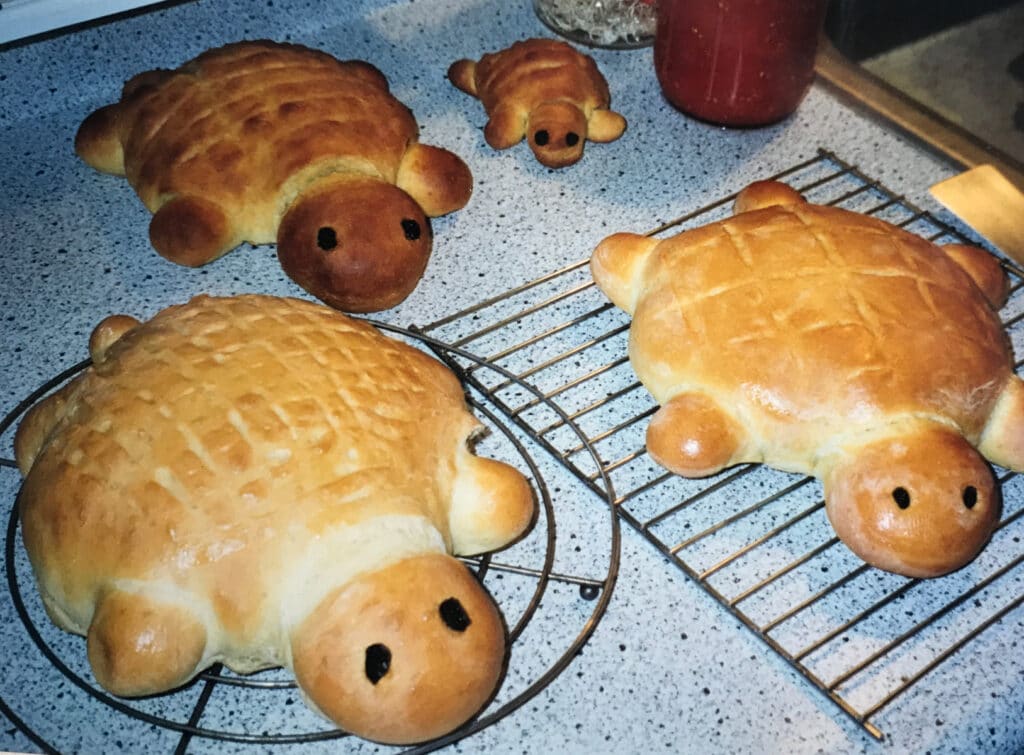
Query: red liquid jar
[[737, 62]]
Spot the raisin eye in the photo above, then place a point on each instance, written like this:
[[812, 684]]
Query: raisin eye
[[326, 238], [378, 662], [411, 228], [572, 138], [541, 138], [902, 497], [970, 496], [454, 615]]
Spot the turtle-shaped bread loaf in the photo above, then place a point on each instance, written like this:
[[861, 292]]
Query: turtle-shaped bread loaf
[[544, 90], [265, 142], [822, 341], [262, 481]]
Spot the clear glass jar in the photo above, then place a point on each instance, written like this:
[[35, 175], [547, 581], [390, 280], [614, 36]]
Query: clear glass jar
[[600, 23]]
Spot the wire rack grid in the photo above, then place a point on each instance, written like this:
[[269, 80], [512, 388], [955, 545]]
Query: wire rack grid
[[754, 538], [551, 596]]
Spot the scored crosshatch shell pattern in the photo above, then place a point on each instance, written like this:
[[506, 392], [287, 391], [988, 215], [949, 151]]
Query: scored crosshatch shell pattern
[[551, 596], [754, 538]]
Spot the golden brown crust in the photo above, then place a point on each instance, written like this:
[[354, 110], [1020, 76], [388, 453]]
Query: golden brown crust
[[806, 315], [986, 272], [340, 247], [222, 147], [191, 231], [489, 500], [545, 90], [109, 330], [462, 74], [905, 507], [761, 194], [241, 120], [37, 424], [1002, 440], [616, 264], [97, 142], [533, 71], [228, 464], [712, 440], [810, 337], [355, 657], [435, 178], [137, 646]]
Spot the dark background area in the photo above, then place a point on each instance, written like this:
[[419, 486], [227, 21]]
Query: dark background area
[[863, 28]]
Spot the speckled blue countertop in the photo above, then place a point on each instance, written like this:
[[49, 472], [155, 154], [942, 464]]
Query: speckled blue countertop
[[666, 668]]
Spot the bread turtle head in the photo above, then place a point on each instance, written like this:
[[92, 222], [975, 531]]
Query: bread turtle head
[[557, 132], [404, 653], [920, 504], [359, 244]]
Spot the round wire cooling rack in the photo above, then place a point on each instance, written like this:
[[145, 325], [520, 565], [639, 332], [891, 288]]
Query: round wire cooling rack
[[531, 561]]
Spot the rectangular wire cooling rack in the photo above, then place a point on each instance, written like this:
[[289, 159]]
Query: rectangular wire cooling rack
[[757, 540]]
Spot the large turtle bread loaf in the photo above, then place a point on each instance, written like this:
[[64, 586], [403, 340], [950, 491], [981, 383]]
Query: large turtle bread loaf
[[261, 142], [822, 341], [266, 482]]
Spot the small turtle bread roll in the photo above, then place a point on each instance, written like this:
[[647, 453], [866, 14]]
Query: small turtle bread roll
[[544, 90]]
